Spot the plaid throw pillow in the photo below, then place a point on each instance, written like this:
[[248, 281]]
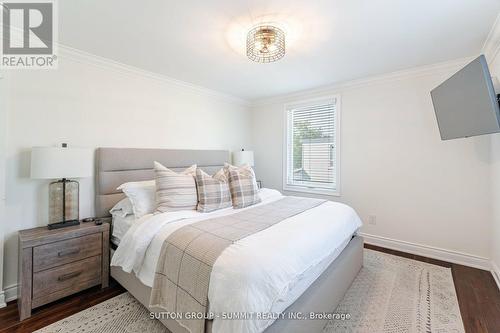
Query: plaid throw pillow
[[213, 191], [175, 191], [243, 186]]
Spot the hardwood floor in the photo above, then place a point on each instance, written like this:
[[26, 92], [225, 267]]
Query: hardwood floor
[[478, 296], [50, 313]]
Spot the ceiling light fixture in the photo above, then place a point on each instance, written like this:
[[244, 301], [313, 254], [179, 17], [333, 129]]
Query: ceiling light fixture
[[265, 43]]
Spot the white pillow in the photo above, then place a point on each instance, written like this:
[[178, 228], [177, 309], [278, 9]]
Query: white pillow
[[141, 195], [122, 208], [175, 190]]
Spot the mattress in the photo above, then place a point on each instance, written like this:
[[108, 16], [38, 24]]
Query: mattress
[[120, 226], [263, 273]]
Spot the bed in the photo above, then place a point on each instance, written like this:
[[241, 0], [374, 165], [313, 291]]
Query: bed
[[317, 289]]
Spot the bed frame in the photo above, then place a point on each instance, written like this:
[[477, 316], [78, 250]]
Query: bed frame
[[115, 166]]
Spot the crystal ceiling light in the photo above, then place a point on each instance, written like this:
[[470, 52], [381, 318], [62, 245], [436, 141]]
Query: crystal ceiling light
[[265, 43]]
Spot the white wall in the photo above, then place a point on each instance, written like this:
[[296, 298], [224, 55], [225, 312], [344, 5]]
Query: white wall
[[495, 181], [393, 163], [3, 137], [495, 174], [90, 103], [491, 49]]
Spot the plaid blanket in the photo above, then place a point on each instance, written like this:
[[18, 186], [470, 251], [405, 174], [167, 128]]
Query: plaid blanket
[[187, 256]]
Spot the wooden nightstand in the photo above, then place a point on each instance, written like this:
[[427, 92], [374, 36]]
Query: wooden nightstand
[[57, 263]]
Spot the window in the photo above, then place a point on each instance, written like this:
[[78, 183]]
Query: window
[[311, 158]]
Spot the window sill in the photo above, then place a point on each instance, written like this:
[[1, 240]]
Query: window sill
[[291, 188]]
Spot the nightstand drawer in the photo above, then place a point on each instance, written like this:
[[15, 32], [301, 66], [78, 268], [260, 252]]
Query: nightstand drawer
[[63, 252], [65, 280]]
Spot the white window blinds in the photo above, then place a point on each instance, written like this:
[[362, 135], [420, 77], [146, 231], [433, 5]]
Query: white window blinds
[[311, 140]]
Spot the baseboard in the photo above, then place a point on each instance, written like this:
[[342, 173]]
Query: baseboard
[[429, 251], [495, 270], [2, 299], [10, 293]]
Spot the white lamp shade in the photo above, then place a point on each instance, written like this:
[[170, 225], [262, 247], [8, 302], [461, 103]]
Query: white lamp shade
[[243, 157], [57, 163]]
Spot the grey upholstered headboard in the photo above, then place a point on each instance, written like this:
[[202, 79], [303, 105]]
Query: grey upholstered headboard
[[115, 166]]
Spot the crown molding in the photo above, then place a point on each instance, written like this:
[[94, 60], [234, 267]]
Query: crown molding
[[66, 52], [491, 47], [445, 67]]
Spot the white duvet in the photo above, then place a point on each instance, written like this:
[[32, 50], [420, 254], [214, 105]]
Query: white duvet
[[265, 272]]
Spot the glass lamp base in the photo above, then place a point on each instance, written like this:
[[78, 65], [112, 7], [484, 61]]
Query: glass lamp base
[[63, 201]]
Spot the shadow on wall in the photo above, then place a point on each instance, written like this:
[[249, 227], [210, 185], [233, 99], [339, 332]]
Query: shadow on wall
[[41, 186], [24, 163], [26, 200], [482, 147], [495, 148]]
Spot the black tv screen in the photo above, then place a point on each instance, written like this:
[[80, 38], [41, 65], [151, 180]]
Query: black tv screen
[[466, 103]]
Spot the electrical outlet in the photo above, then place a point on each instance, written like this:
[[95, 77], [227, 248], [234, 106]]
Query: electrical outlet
[[372, 219]]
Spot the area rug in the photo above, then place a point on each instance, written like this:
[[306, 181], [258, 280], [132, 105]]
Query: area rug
[[395, 294], [390, 295]]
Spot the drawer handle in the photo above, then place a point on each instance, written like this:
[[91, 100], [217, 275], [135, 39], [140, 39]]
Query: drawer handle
[[68, 276], [68, 253]]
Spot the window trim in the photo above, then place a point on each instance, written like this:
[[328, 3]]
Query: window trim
[[304, 189]]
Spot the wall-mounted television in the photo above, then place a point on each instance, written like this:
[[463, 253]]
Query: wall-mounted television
[[466, 104]]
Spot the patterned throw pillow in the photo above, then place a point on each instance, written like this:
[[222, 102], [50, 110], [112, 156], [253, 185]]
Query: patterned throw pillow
[[243, 185], [213, 191], [175, 191]]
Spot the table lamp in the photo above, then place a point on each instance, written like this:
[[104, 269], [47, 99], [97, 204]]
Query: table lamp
[[62, 163], [243, 157]]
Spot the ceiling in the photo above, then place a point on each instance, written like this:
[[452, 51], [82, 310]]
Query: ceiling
[[328, 41]]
